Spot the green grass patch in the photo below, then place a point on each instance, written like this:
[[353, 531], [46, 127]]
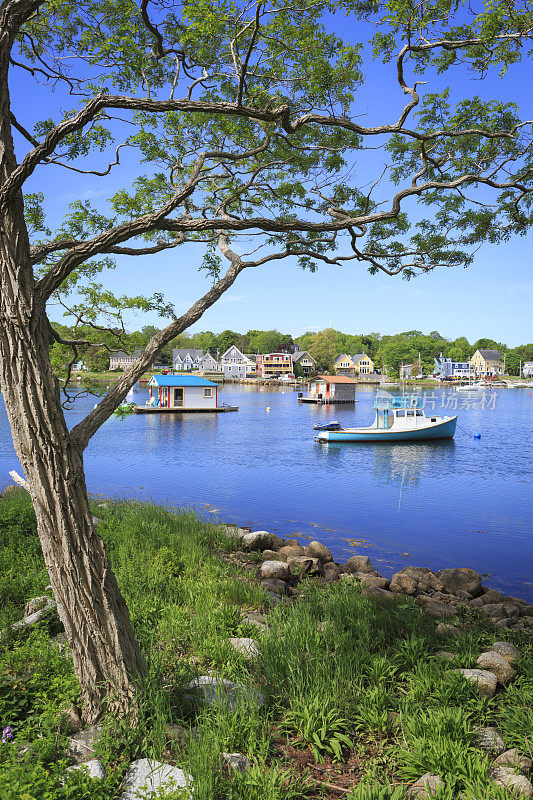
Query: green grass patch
[[351, 685]]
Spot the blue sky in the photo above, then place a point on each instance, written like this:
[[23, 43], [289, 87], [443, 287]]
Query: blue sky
[[492, 298]]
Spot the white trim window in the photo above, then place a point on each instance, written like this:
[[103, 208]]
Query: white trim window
[[208, 391]]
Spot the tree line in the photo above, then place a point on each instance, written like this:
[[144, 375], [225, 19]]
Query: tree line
[[408, 347]]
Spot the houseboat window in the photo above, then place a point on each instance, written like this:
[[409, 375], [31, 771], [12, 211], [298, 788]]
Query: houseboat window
[[208, 392], [410, 413], [419, 413]]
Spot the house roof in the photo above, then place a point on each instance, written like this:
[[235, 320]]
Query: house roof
[[124, 354], [491, 355], [342, 355], [333, 379], [184, 352], [179, 380], [358, 356], [300, 354]]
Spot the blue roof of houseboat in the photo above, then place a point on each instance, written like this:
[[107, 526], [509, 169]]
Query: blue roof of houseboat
[[180, 380]]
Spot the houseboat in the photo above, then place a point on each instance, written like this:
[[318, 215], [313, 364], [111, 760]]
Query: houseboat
[[182, 394], [399, 418], [330, 389]]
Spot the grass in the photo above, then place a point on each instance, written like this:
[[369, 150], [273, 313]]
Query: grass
[[354, 694]]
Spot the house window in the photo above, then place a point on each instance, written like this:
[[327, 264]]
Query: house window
[[208, 392]]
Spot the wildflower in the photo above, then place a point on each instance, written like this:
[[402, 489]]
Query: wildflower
[[7, 734]]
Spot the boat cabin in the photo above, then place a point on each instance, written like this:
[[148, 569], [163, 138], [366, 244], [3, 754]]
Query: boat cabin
[[404, 412], [182, 391]]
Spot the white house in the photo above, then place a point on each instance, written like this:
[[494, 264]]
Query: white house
[[186, 359], [119, 359], [182, 391], [527, 369], [235, 364], [207, 363]]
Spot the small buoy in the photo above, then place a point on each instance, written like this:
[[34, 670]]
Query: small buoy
[[268, 408], [477, 436]]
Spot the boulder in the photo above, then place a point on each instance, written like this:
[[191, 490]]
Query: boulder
[[269, 555], [145, 776], [291, 551], [318, 550], [80, 747], [275, 569], [360, 564], [274, 585], [490, 740], [438, 610], [447, 629], [235, 762], [214, 690], [425, 787], [382, 594], [506, 650], [506, 622], [491, 596], [175, 733], [331, 572], [446, 656], [499, 610], [93, 767], [261, 540], [245, 646], [372, 581], [305, 565], [424, 577], [403, 584], [517, 784], [69, 720], [460, 578], [525, 611], [484, 681], [512, 758], [495, 663], [255, 619], [36, 604]]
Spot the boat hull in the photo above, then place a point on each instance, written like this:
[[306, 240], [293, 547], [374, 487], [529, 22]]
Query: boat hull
[[438, 430]]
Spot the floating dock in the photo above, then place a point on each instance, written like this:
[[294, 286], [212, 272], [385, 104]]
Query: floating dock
[[177, 410]]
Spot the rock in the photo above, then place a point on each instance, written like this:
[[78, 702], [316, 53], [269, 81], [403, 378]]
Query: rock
[[438, 610], [447, 629], [320, 551], [255, 619], [331, 572], [525, 611], [274, 585], [360, 564], [490, 740], [372, 581], [145, 776], [95, 521], [36, 604], [424, 577], [221, 691], [36, 617], [269, 555], [175, 733], [512, 758], [236, 762], [506, 622], [461, 578], [425, 787], [305, 565], [291, 551], [382, 594], [275, 569], [94, 768], [484, 681], [518, 784], [446, 656], [69, 720], [245, 646], [491, 596], [495, 663], [261, 540], [499, 610], [80, 747], [507, 651], [403, 584]]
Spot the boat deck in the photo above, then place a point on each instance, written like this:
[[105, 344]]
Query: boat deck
[[156, 410], [329, 402]]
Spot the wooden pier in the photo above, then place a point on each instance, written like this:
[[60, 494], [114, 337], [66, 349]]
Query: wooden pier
[[178, 410]]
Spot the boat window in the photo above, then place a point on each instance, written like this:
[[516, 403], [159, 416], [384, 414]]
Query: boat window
[[410, 413], [419, 413]]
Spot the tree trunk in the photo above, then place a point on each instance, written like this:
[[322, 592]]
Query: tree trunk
[[107, 659]]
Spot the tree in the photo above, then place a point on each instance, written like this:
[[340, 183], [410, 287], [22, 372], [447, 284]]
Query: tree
[[244, 125]]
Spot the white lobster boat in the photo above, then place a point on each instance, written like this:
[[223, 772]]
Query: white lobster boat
[[397, 419]]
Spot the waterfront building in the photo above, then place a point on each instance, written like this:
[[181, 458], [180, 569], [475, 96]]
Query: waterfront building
[[487, 363], [271, 365], [527, 369], [359, 364], [447, 368], [235, 364], [182, 391], [120, 359], [186, 359], [330, 389], [305, 362]]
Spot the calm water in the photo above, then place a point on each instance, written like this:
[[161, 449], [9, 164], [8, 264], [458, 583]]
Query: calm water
[[464, 502]]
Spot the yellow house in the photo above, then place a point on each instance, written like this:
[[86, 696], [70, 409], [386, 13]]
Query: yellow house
[[487, 363], [360, 364]]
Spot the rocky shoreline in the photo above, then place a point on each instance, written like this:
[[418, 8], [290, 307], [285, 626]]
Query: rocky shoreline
[[442, 595]]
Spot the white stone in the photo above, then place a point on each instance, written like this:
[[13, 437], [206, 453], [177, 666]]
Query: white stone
[[275, 569], [484, 681], [237, 762], [245, 646], [81, 746], [151, 776], [93, 767], [518, 784], [506, 650]]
